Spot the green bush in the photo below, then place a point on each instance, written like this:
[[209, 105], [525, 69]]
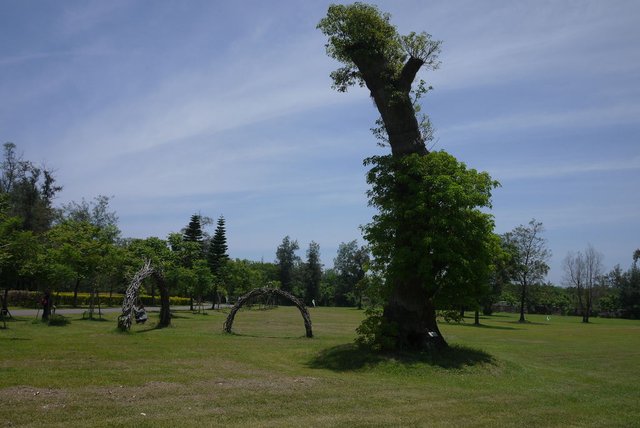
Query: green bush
[[58, 320], [375, 332]]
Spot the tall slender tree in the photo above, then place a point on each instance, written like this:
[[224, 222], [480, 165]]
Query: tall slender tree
[[286, 259], [217, 257], [312, 273], [217, 253]]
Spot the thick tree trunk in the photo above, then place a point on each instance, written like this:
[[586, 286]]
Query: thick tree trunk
[[409, 308], [412, 312], [477, 318]]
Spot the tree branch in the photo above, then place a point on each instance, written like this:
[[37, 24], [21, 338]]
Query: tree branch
[[409, 71]]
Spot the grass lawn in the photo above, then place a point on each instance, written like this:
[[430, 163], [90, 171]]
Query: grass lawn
[[544, 373]]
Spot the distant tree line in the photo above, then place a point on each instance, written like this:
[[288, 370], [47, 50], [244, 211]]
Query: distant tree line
[[77, 248], [517, 282]]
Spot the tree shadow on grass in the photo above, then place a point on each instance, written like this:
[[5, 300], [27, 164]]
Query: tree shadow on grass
[[350, 357], [266, 336], [528, 323], [492, 327], [175, 315], [153, 327], [94, 319]]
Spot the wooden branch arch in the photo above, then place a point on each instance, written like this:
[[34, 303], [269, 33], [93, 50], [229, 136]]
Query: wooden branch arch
[[265, 291], [131, 296]]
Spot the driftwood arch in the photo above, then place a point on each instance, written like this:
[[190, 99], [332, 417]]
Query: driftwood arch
[[131, 296], [269, 292]]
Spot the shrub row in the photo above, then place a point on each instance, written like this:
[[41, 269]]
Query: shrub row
[[31, 299]]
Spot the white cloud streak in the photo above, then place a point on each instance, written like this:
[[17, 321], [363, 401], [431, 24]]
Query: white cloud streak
[[546, 171], [583, 118]]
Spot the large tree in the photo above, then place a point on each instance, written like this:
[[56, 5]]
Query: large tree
[[429, 239], [529, 258]]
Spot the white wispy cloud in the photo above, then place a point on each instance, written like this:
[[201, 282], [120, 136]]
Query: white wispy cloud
[[540, 171], [206, 101], [491, 43], [578, 117]]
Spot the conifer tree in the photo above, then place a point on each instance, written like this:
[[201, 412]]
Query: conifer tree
[[217, 255], [193, 232]]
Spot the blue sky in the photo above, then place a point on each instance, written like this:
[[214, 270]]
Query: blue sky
[[226, 108]]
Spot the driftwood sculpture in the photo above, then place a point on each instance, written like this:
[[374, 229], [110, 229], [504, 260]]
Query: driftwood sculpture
[[269, 292], [131, 297]]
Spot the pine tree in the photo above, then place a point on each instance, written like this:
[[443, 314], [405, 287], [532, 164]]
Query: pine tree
[[217, 255], [193, 232]]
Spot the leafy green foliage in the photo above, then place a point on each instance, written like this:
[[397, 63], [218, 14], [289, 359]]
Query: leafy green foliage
[[351, 264], [242, 276], [449, 245], [376, 332], [355, 31], [96, 212], [79, 251]]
